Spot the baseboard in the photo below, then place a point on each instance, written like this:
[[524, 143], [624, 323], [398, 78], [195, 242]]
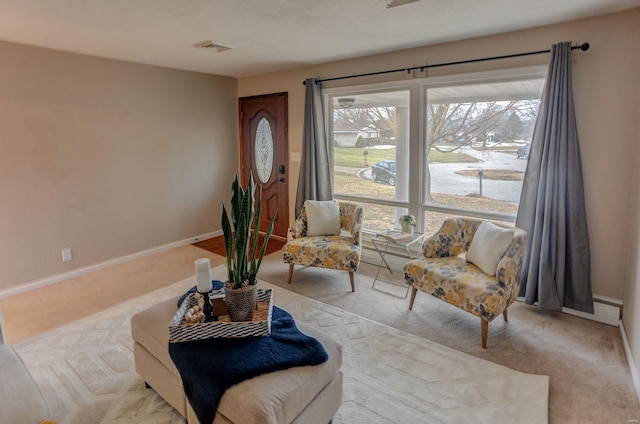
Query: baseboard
[[605, 310], [632, 363], [11, 291]]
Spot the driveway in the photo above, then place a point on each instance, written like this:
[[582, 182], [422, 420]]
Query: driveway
[[445, 180]]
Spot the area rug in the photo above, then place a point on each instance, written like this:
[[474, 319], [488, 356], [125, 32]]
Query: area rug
[[86, 371]]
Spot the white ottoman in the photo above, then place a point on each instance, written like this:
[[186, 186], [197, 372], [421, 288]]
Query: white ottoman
[[298, 395]]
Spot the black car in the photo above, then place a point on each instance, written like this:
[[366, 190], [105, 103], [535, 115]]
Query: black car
[[523, 152], [384, 171]]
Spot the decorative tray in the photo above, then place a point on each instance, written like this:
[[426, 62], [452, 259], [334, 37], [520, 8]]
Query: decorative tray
[[180, 331]]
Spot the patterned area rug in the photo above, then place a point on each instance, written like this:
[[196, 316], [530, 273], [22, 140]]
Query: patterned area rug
[[86, 372]]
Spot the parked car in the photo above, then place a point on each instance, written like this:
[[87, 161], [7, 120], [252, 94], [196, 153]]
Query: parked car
[[523, 152], [384, 171]]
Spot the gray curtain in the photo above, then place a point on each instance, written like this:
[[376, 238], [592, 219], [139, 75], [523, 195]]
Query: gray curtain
[[556, 269], [315, 179]]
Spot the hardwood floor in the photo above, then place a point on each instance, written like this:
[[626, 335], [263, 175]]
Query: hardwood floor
[[216, 245], [31, 313], [67, 301]]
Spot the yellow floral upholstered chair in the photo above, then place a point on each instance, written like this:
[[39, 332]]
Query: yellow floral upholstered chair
[[471, 264], [338, 249]]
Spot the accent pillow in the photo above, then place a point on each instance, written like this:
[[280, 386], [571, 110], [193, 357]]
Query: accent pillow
[[489, 245], [323, 217]]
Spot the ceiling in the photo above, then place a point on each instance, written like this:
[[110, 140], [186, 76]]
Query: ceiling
[[270, 35]]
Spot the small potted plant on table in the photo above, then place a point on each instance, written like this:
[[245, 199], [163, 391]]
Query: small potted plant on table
[[408, 223], [243, 257]]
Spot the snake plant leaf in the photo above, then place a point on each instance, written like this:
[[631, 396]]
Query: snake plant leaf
[[237, 194], [228, 239], [243, 258]]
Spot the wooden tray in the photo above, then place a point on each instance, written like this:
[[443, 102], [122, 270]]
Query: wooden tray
[[224, 327]]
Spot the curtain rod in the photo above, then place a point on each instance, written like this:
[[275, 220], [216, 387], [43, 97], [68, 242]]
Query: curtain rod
[[583, 47]]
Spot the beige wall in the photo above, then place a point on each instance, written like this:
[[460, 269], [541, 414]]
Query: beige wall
[[109, 158], [606, 96], [631, 316]]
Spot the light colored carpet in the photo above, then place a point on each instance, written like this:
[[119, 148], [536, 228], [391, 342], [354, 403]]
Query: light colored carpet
[[590, 381], [85, 370]]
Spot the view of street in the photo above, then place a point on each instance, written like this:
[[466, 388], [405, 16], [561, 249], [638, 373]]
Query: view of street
[[444, 178]]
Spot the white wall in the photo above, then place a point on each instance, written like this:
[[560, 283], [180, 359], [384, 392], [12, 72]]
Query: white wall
[[106, 157]]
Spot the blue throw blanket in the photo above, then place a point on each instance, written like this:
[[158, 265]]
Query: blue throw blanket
[[209, 367]]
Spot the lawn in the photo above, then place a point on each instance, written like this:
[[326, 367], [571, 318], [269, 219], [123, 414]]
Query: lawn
[[380, 217], [354, 156]]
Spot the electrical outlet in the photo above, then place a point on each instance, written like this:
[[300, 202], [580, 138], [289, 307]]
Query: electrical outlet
[[66, 254]]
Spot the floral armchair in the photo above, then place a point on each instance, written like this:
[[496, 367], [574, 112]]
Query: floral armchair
[[340, 252], [445, 273]]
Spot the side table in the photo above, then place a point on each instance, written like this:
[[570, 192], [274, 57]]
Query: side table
[[382, 244]]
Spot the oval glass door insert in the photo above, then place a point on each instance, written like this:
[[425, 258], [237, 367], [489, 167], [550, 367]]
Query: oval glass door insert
[[263, 148]]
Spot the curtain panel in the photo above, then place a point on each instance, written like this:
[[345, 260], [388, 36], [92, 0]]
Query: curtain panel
[[315, 179], [556, 270]]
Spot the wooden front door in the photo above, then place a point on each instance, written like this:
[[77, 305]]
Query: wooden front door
[[263, 153]]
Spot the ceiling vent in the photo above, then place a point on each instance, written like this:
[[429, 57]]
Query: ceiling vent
[[394, 3], [210, 45]]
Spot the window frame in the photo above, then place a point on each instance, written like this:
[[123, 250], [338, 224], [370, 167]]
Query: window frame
[[418, 87]]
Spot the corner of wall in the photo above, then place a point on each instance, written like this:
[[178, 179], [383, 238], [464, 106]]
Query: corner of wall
[[635, 377]]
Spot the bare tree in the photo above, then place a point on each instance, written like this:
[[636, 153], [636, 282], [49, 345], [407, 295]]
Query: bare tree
[[451, 126], [383, 118], [513, 128], [355, 116]]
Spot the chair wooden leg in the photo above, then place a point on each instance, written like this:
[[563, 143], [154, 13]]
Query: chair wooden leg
[[413, 297], [290, 272], [504, 315], [353, 287], [484, 324]]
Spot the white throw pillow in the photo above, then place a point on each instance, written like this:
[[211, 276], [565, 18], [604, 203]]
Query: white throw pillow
[[323, 217], [489, 245]]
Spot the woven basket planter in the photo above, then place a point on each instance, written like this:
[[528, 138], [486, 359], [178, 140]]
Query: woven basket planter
[[241, 303]]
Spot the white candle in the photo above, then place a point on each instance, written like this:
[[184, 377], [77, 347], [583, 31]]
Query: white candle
[[203, 275]]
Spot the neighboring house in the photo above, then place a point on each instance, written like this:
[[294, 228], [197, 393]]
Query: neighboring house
[[369, 132], [347, 135]]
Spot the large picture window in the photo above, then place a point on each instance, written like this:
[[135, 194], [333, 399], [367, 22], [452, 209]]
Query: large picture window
[[461, 150], [370, 135]]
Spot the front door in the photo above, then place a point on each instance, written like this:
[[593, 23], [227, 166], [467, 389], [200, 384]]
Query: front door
[[264, 151]]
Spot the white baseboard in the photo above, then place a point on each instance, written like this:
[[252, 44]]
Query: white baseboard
[[606, 313], [632, 363], [122, 259]]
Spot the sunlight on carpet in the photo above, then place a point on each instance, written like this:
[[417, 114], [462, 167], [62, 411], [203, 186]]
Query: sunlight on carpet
[[86, 371]]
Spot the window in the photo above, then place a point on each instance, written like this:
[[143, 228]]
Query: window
[[461, 150], [370, 134]]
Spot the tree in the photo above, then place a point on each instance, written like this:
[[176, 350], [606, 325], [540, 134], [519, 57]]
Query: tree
[[451, 126], [382, 118], [513, 128], [355, 116]]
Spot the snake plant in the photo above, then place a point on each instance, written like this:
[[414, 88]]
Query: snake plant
[[243, 257]]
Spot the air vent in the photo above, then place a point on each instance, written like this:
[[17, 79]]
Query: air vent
[[210, 45], [395, 3]]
